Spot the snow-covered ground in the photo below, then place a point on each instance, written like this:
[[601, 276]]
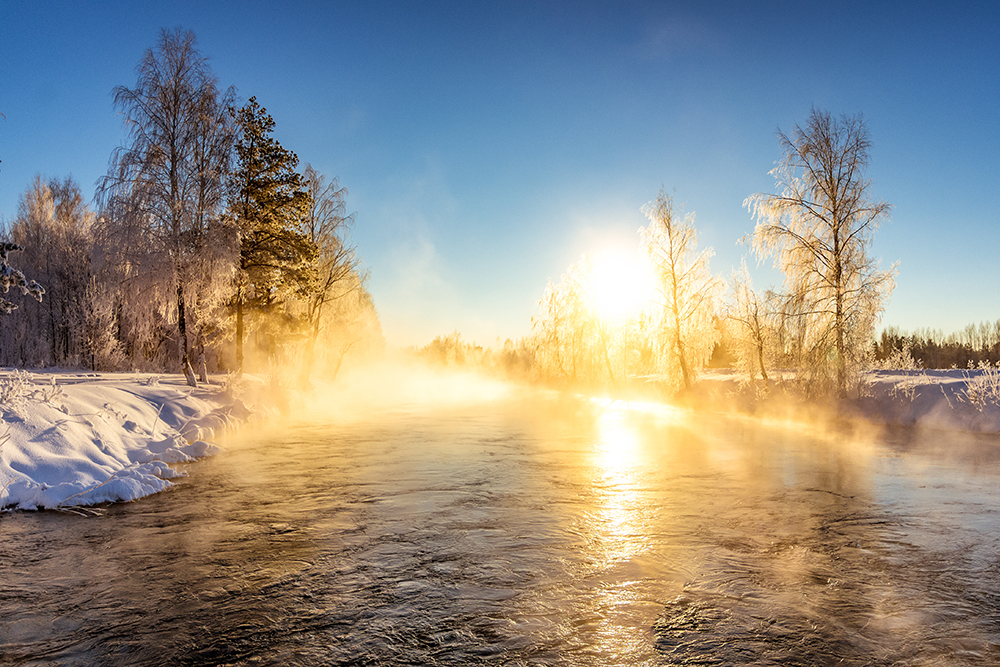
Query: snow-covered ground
[[70, 439]]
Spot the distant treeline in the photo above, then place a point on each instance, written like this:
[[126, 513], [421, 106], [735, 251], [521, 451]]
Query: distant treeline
[[930, 348]]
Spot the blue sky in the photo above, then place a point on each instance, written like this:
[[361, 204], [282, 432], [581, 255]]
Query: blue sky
[[486, 146]]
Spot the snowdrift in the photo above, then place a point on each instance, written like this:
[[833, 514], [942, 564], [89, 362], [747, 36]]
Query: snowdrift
[[69, 439]]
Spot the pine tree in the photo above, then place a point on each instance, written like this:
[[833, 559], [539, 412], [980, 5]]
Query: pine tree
[[269, 203]]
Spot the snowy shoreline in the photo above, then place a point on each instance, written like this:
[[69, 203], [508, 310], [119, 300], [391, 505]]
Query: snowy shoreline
[[75, 438], [961, 400]]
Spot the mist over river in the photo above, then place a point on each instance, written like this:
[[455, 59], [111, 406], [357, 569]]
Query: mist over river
[[527, 529]]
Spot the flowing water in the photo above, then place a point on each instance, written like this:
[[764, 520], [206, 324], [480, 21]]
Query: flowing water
[[530, 530]]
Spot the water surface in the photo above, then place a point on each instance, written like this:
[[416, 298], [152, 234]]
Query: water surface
[[527, 530]]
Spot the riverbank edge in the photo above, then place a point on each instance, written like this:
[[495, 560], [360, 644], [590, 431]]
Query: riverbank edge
[[71, 438], [943, 400]]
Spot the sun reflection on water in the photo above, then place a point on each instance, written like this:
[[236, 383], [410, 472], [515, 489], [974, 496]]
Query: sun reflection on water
[[622, 526], [622, 517]]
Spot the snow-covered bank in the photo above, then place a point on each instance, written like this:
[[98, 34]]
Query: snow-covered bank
[[954, 400], [69, 438]]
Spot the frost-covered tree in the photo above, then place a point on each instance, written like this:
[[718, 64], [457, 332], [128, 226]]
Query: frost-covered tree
[[164, 188], [327, 225], [751, 325], [53, 225], [269, 203], [686, 292], [819, 229], [567, 340], [12, 277], [211, 267], [355, 334]]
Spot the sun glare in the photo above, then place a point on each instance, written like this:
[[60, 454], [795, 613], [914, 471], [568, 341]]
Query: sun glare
[[620, 284]]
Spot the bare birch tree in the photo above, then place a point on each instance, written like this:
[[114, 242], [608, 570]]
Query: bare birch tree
[[328, 224], [819, 228], [686, 290], [751, 324], [167, 183]]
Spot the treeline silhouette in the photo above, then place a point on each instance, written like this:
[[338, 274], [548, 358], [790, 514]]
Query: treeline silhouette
[[974, 345]]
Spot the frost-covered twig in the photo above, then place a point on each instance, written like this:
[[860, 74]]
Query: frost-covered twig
[[908, 387], [50, 394], [156, 421], [946, 397], [93, 488]]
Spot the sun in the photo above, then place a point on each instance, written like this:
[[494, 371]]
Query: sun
[[620, 283]]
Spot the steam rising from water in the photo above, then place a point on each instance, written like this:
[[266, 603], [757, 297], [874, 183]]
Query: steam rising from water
[[398, 383]]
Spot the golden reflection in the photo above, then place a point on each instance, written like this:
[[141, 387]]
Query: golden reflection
[[620, 517], [618, 443], [622, 528]]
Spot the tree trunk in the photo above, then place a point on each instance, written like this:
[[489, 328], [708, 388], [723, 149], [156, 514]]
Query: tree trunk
[[839, 324], [239, 332], [680, 358], [183, 342], [760, 360], [202, 366], [310, 354]]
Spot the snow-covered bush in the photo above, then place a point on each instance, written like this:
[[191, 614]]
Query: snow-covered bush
[[982, 386], [233, 387], [14, 390], [48, 394], [901, 359]]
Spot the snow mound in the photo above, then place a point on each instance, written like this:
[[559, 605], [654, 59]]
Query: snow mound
[[71, 439]]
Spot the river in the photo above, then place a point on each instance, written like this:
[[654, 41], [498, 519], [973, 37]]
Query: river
[[527, 529]]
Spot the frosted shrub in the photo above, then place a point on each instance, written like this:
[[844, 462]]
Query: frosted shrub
[[982, 388], [49, 394], [233, 387], [14, 390], [900, 360], [907, 389]]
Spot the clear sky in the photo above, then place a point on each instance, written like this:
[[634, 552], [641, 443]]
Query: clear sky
[[487, 145]]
